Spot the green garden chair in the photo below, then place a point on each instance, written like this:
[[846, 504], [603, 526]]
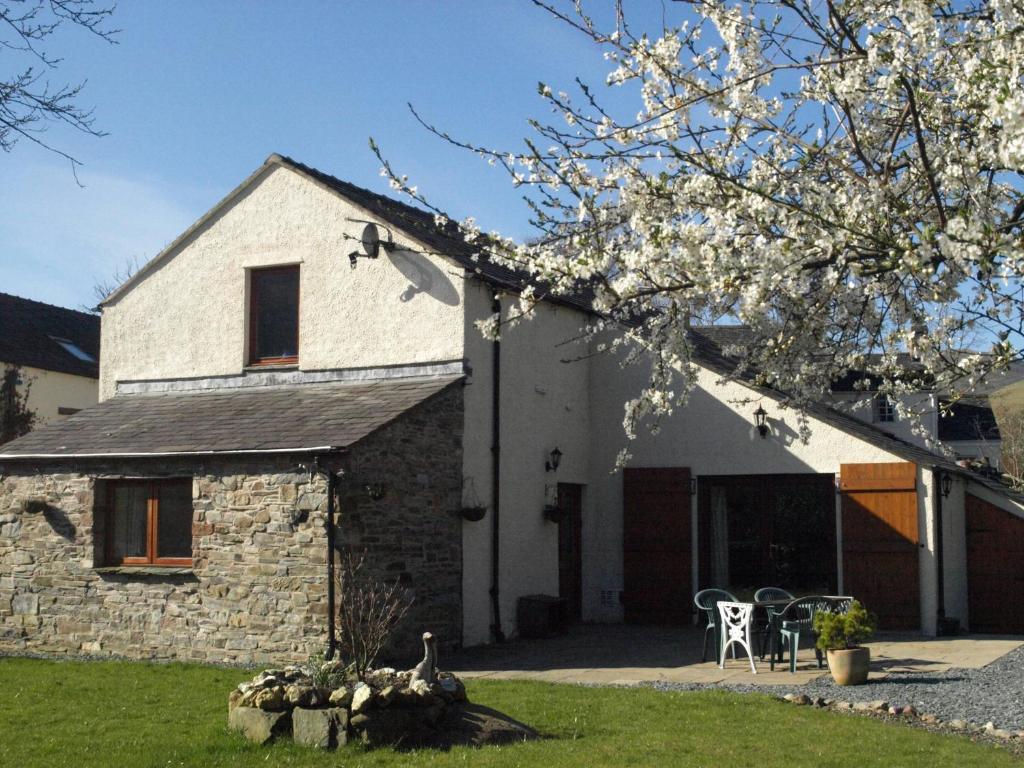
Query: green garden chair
[[707, 601], [792, 622], [765, 629], [772, 593]]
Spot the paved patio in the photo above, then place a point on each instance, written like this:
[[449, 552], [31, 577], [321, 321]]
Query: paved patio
[[617, 654]]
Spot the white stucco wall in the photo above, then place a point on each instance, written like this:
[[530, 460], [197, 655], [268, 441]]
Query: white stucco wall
[[712, 435], [187, 318], [544, 405], [50, 390], [861, 405]]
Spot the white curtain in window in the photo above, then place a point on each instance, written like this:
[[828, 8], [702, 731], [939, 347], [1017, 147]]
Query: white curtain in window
[[128, 537]]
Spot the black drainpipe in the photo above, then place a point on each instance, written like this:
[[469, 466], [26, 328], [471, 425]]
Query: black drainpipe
[[940, 627], [496, 632], [332, 490]]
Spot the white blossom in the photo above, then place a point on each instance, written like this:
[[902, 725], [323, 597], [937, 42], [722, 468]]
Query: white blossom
[[843, 178]]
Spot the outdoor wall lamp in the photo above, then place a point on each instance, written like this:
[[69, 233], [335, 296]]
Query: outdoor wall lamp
[[946, 483], [553, 460], [376, 491], [761, 421]]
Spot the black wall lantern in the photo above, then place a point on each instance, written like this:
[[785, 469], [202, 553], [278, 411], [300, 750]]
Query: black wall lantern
[[376, 491], [761, 421], [946, 483], [554, 459]]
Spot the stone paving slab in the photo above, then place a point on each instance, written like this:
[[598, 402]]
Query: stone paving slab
[[627, 655], [914, 653]]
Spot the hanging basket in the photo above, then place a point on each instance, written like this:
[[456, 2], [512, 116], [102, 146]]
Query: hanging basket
[[473, 514], [553, 514]]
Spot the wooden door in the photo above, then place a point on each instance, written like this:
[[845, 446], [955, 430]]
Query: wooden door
[[995, 568], [570, 548], [656, 545], [880, 541]]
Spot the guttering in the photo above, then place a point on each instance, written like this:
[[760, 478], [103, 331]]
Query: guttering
[[496, 632], [170, 454]]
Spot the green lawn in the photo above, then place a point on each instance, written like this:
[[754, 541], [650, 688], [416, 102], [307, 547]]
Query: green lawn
[[130, 714]]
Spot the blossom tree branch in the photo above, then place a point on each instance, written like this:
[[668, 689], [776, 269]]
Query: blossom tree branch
[[29, 103], [844, 178]]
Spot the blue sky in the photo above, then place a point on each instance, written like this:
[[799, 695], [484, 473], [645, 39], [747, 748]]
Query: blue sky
[[197, 94]]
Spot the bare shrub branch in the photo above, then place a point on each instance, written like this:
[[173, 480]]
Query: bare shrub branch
[[369, 610]]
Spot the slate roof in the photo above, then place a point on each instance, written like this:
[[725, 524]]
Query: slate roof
[[416, 222], [28, 329], [253, 420]]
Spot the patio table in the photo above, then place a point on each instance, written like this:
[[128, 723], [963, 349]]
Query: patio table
[[762, 606]]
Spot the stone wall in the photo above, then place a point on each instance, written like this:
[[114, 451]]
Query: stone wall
[[414, 532], [257, 591]]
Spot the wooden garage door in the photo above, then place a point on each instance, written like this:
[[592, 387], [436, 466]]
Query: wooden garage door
[[880, 541], [656, 545], [995, 568]]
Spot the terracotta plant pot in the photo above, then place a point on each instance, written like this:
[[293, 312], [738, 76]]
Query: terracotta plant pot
[[849, 666]]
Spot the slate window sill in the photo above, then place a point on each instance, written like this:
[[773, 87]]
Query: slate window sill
[[143, 570], [261, 367]]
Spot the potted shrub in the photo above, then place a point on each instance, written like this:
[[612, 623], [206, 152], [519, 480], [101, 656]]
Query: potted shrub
[[840, 635]]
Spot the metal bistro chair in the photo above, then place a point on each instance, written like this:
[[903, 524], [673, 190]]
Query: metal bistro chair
[[736, 618], [765, 630], [707, 600], [791, 622], [840, 603]]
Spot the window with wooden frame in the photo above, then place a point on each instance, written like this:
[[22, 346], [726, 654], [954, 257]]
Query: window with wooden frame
[[885, 409], [274, 315], [149, 522]]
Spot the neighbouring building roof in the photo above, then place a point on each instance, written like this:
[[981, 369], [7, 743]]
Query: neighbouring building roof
[[299, 418], [415, 222], [52, 338], [969, 420]]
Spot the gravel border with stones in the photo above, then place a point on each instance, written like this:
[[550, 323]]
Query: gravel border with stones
[[986, 701]]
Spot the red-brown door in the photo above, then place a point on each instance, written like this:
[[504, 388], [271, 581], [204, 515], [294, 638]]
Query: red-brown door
[[570, 548], [880, 541], [995, 568], [656, 545]]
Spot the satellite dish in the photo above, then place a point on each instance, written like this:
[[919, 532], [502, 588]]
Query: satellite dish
[[370, 240]]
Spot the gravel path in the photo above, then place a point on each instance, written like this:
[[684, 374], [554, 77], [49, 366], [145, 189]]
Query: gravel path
[[994, 693]]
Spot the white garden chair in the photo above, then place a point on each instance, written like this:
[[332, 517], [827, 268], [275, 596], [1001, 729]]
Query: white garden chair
[[736, 624]]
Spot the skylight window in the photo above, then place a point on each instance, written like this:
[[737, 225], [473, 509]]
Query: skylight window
[[75, 350]]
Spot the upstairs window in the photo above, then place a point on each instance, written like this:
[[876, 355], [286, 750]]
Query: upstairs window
[[149, 522], [885, 409], [274, 316]]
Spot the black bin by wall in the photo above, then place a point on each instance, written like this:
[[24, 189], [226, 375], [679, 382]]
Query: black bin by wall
[[542, 616]]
